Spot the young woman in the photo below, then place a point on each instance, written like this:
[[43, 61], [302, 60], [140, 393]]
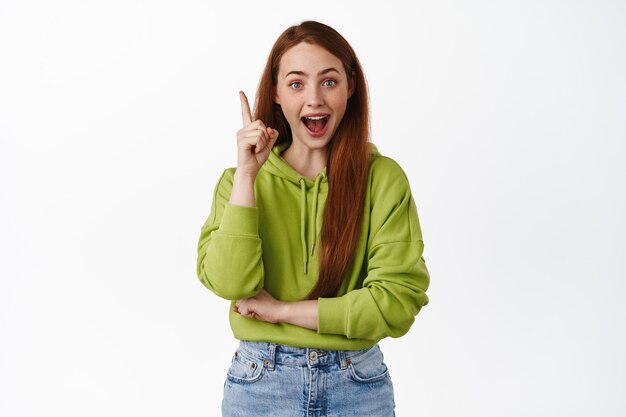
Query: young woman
[[315, 238]]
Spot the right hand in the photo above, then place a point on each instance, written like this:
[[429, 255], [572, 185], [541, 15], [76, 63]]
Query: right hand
[[254, 141]]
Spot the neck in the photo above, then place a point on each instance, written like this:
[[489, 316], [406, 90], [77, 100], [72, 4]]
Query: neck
[[306, 161]]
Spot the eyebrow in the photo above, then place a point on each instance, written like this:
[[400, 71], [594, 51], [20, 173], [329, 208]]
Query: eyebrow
[[322, 72]]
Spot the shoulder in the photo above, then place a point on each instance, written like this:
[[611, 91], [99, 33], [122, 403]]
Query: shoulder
[[225, 183], [392, 211], [387, 176], [383, 167], [226, 179]]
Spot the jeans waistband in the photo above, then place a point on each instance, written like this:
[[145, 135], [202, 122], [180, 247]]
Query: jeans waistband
[[273, 354]]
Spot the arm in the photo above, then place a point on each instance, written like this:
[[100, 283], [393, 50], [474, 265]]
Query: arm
[[394, 288], [229, 249]]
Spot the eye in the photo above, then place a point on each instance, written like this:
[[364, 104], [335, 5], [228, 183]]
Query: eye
[[296, 85], [329, 83]]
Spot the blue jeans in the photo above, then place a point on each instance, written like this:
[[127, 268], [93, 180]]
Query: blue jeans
[[272, 380]]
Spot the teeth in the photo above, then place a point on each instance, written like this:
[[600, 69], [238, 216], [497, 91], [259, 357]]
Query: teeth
[[315, 117]]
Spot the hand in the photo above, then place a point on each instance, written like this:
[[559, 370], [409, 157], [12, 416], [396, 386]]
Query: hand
[[254, 141], [262, 306]]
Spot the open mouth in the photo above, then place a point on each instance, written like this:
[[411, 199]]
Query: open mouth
[[316, 125]]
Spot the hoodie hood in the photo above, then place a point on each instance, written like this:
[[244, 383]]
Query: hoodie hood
[[278, 167]]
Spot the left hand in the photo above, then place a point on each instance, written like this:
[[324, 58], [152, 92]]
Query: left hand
[[262, 306]]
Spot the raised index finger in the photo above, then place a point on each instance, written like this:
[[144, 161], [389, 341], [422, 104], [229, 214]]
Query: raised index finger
[[246, 116]]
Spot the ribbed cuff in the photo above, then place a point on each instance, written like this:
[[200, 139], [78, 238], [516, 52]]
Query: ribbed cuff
[[240, 220], [331, 315]]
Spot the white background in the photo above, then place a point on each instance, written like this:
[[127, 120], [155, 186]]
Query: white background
[[117, 117]]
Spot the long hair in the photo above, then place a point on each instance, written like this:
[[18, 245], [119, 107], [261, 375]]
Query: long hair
[[348, 151]]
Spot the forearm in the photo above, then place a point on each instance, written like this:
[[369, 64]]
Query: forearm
[[243, 191], [300, 313]]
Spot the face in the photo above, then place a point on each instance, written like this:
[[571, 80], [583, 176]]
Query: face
[[312, 90]]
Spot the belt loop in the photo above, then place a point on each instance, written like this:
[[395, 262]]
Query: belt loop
[[342, 359], [272, 357]]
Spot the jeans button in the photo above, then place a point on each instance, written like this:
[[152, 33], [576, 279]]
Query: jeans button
[[313, 355]]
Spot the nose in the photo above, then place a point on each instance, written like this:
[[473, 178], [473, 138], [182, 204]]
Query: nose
[[314, 98]]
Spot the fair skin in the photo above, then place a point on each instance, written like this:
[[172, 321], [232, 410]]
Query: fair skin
[[312, 83]]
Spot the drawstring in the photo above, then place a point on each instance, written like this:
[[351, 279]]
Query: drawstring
[[315, 195], [303, 222], [303, 209]]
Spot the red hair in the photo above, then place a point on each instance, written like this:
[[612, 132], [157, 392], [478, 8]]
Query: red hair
[[348, 151]]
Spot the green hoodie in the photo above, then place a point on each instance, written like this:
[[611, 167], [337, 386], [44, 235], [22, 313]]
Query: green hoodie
[[275, 246]]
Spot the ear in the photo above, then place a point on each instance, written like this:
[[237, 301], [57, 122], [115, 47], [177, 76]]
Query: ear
[[276, 97], [351, 84]]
